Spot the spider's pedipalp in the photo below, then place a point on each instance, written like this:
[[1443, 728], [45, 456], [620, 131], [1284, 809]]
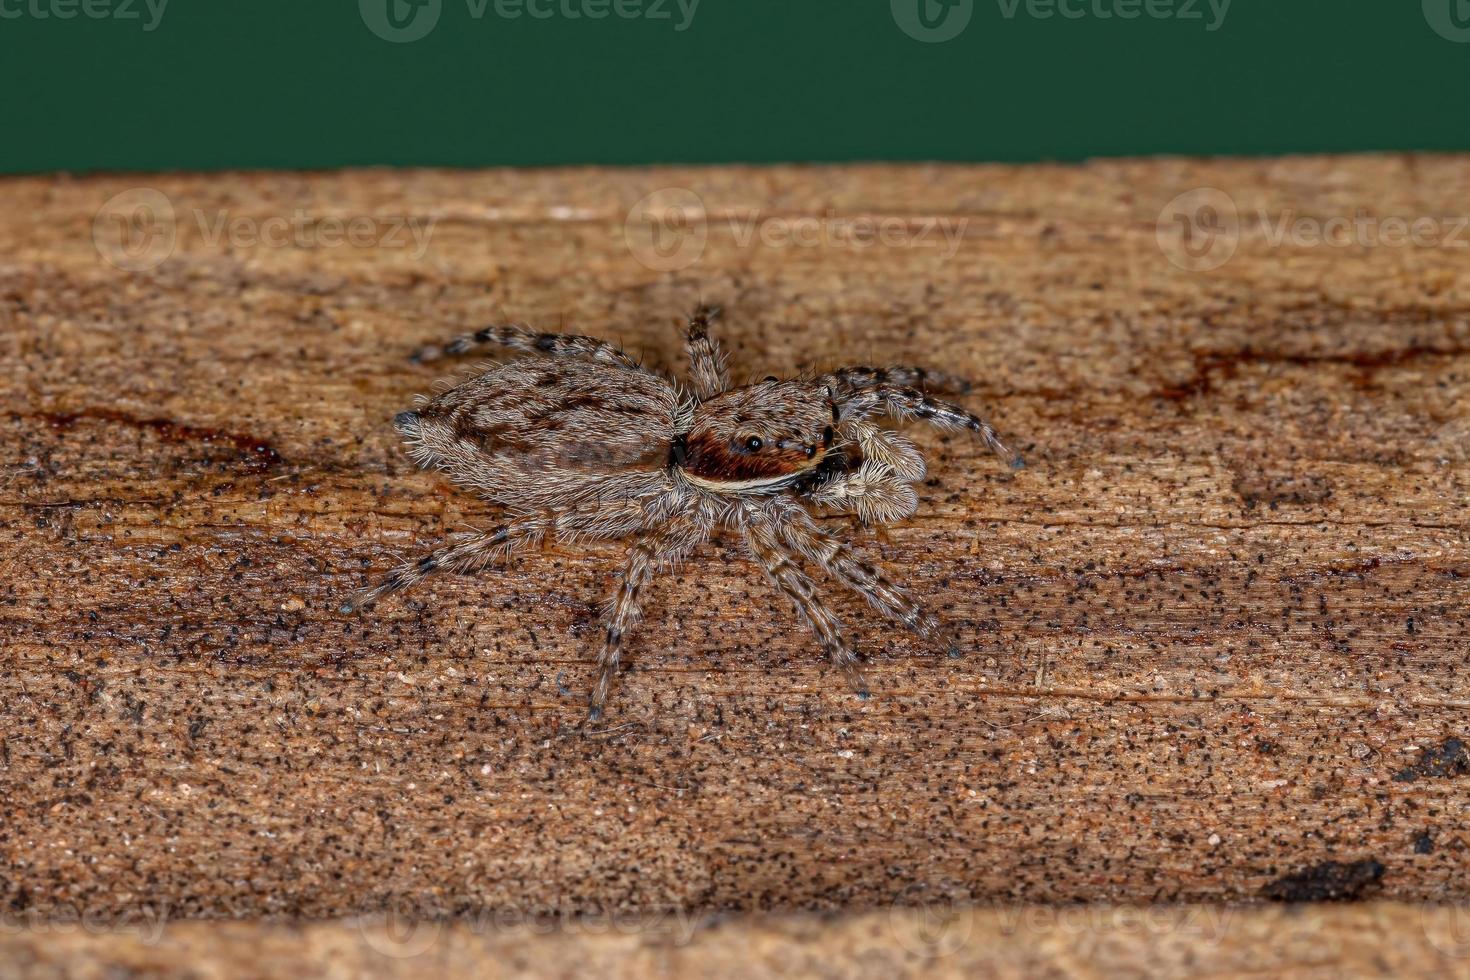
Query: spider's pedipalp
[[797, 586], [708, 374], [888, 448], [874, 493]]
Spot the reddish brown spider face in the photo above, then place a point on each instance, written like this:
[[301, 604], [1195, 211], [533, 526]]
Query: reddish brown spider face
[[757, 437]]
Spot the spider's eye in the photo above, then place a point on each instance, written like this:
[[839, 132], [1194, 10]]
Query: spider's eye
[[753, 443], [826, 437], [772, 377]]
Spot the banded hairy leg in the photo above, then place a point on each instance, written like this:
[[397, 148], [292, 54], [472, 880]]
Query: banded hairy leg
[[656, 549]]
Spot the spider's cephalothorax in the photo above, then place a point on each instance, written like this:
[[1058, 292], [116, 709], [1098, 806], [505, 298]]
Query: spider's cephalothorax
[[585, 443]]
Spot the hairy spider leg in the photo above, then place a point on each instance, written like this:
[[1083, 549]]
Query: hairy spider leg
[[800, 532], [594, 521], [861, 396], [659, 548], [708, 374], [796, 585], [521, 338]]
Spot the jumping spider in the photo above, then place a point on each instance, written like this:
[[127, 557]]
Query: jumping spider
[[585, 443]]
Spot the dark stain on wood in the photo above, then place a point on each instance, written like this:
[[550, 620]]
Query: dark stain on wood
[[1446, 760], [1330, 881], [255, 452]]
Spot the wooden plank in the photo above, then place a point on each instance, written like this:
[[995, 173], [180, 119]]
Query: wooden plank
[[1374, 939], [1215, 633]]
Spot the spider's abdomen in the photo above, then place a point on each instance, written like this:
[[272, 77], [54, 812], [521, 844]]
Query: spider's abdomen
[[533, 433]]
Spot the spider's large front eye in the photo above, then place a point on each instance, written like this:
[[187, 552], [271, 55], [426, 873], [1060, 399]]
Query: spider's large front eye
[[753, 444]]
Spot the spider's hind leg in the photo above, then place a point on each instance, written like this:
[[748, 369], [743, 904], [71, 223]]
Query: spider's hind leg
[[525, 340], [476, 551]]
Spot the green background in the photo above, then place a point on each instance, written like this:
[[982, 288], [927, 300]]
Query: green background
[[305, 83]]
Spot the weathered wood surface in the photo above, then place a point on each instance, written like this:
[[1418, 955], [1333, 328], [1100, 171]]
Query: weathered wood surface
[[1217, 631], [1373, 939]]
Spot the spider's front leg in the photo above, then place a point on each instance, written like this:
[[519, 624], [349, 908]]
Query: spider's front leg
[[904, 376], [708, 374], [762, 541], [797, 529], [862, 392]]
